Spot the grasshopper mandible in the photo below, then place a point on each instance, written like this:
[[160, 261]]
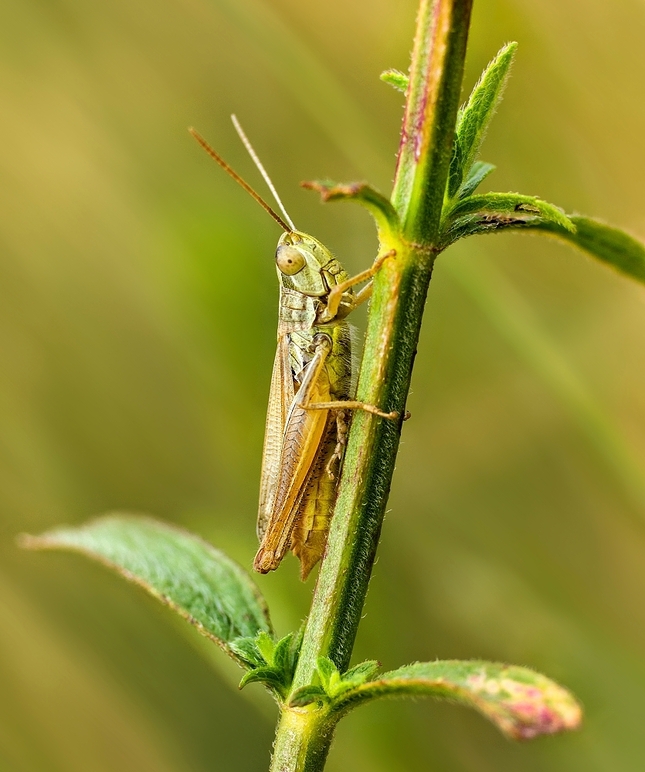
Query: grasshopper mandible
[[311, 388]]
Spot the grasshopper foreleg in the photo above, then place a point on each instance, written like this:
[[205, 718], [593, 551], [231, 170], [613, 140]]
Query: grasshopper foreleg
[[336, 294]]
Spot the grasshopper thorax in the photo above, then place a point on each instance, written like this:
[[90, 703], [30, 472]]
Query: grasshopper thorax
[[305, 265]]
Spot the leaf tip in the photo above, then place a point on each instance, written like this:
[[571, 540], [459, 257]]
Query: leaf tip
[[246, 679], [50, 540], [525, 705], [509, 49], [331, 190], [396, 79]]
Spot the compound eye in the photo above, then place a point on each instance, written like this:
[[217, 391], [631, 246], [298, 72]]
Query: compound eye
[[289, 260]]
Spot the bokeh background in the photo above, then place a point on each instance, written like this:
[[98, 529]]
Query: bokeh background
[[137, 317]]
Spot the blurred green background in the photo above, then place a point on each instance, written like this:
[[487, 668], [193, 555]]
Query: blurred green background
[[137, 326]]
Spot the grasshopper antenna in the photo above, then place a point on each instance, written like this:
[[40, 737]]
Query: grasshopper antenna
[[216, 157], [247, 144]]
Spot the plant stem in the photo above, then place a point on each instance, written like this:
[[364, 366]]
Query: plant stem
[[431, 107], [394, 322], [393, 326], [302, 740]]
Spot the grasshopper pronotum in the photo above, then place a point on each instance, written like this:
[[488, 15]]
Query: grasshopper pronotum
[[311, 388]]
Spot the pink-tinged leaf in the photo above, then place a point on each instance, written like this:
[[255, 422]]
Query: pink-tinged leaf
[[522, 703]]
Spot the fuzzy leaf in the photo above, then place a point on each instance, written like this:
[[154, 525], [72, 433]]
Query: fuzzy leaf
[[475, 116], [306, 695], [477, 174], [490, 212], [266, 646], [397, 79], [610, 245], [334, 684], [520, 702], [456, 171], [247, 651], [181, 570], [362, 672], [287, 651], [273, 664], [326, 672], [281, 658], [269, 677]]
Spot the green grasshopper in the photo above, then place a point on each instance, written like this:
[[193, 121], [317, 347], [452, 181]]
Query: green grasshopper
[[311, 388]]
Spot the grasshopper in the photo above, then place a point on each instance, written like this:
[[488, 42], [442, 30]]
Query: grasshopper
[[311, 388]]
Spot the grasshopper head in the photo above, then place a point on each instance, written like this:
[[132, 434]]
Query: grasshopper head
[[305, 265]]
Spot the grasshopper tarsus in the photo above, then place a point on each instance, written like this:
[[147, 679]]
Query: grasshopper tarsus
[[265, 561]]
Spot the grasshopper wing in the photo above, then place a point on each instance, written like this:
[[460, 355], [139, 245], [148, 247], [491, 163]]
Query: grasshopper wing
[[280, 399], [303, 433]]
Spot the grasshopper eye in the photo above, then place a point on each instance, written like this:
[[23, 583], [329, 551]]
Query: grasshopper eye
[[289, 260]]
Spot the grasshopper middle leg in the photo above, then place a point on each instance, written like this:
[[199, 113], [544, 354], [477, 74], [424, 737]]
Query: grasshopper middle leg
[[353, 405]]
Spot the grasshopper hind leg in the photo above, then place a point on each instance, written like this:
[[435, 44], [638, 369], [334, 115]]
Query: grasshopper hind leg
[[315, 509], [342, 427]]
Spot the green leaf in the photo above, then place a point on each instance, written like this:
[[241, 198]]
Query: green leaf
[[285, 656], [477, 174], [610, 245], [475, 116], [273, 664], [266, 646], [456, 171], [181, 570], [328, 673], [361, 672], [376, 203], [491, 212], [399, 80], [268, 676], [281, 658], [306, 695], [334, 684], [247, 651], [521, 703]]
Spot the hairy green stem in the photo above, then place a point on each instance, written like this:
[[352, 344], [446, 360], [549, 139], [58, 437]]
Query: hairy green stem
[[394, 322], [431, 107], [393, 327], [302, 740]]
